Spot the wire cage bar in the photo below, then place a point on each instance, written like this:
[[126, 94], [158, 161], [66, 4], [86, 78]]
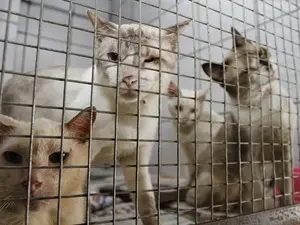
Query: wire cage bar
[[149, 112]]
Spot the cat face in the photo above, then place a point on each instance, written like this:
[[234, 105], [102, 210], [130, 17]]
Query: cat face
[[249, 66], [186, 106], [128, 56], [14, 152]]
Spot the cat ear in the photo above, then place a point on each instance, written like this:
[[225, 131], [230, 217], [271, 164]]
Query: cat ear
[[215, 72], [101, 25], [80, 124], [172, 31], [7, 124], [173, 90], [238, 39], [177, 28]]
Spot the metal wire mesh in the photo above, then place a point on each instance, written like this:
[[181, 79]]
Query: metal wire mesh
[[40, 34]]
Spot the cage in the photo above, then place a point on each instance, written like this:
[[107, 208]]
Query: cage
[[40, 35]]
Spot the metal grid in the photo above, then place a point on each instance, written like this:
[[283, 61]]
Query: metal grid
[[284, 15]]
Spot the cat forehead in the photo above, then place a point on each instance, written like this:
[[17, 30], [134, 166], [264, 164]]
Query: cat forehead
[[146, 35], [40, 146], [249, 50], [42, 127], [135, 31]]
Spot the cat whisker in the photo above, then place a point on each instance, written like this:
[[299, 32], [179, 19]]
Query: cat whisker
[[5, 205]]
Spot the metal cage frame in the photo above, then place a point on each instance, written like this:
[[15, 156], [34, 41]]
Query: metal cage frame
[[289, 214]]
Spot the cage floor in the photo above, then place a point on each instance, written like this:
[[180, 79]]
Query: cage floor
[[125, 210], [284, 216], [289, 216]]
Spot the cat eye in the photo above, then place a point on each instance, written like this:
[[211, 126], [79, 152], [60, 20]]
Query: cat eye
[[12, 157], [263, 62], [151, 59], [55, 157], [113, 56], [180, 107]]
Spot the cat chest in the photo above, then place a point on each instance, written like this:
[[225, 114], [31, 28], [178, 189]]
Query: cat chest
[[270, 110], [262, 115], [134, 128], [126, 131], [205, 132]]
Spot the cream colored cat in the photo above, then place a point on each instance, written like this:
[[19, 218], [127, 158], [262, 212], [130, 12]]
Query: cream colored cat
[[14, 151], [19, 89]]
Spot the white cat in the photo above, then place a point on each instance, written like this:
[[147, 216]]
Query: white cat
[[14, 151], [212, 135], [187, 114], [50, 93]]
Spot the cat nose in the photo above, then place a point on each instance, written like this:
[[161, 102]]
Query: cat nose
[[35, 185], [129, 80]]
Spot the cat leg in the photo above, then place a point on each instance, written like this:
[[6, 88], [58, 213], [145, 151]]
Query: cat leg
[[263, 191], [250, 206], [288, 173], [190, 156], [285, 183], [252, 188], [203, 196], [203, 192], [288, 183], [146, 200]]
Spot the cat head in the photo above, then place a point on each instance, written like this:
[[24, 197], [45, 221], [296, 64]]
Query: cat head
[[14, 152], [248, 66], [186, 106], [150, 57]]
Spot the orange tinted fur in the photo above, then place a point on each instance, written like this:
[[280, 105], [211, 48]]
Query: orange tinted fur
[[73, 179]]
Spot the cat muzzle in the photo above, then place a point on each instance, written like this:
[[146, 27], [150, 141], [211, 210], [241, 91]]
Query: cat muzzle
[[129, 81], [34, 186], [129, 87], [184, 121], [128, 94]]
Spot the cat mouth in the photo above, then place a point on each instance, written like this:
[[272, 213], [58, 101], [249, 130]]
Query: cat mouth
[[37, 205], [129, 94], [184, 120], [186, 123]]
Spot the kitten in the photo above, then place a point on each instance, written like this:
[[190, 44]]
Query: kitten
[[19, 90], [209, 125], [250, 67], [187, 114], [14, 151]]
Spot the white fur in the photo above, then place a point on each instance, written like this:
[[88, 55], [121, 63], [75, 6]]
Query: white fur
[[206, 125], [104, 126], [50, 93], [73, 180]]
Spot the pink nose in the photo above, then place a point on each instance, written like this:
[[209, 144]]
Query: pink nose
[[129, 80], [34, 186]]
